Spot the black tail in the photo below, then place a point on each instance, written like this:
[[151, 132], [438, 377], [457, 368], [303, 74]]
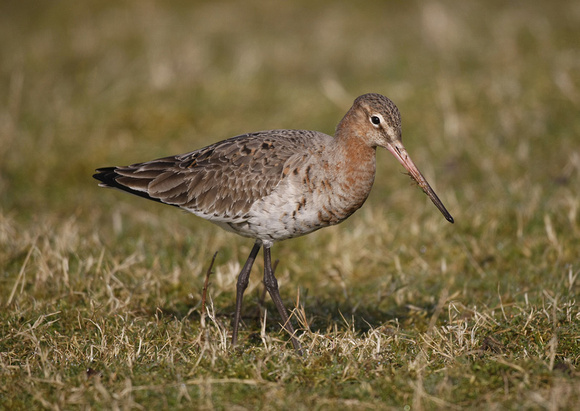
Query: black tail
[[108, 178]]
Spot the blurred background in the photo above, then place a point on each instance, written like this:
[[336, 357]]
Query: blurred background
[[396, 304], [489, 93]]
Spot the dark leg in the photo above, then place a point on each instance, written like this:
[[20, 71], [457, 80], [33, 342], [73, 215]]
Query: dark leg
[[241, 286], [271, 285]]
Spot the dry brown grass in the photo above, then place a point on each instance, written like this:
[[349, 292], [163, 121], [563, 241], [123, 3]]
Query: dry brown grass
[[101, 292]]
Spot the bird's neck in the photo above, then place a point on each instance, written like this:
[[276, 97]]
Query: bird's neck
[[352, 145], [356, 163]]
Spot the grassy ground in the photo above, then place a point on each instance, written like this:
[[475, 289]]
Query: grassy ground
[[100, 291]]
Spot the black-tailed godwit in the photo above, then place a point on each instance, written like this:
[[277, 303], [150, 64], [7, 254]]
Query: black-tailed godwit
[[277, 184]]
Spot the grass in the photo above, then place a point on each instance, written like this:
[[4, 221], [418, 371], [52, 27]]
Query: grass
[[101, 292]]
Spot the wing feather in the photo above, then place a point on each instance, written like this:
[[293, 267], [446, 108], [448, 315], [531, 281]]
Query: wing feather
[[220, 181]]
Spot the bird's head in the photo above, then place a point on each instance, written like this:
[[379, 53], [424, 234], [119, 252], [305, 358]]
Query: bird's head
[[377, 120]]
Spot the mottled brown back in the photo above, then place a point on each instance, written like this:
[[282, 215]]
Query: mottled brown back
[[221, 181]]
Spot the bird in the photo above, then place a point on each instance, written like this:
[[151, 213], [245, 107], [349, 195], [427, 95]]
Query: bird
[[277, 184]]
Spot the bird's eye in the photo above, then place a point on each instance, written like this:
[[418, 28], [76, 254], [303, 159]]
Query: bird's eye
[[376, 120]]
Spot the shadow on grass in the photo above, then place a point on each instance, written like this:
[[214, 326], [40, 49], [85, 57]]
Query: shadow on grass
[[322, 313]]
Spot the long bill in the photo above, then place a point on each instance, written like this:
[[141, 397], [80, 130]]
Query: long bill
[[400, 153]]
